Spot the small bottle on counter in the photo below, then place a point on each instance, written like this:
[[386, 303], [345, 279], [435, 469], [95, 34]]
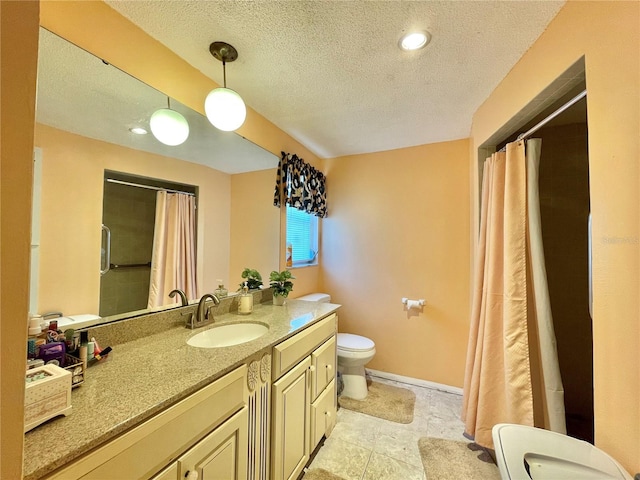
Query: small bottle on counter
[[245, 301], [84, 344], [289, 255], [220, 292]]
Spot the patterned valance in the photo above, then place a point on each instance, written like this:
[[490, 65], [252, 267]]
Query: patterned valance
[[300, 185]]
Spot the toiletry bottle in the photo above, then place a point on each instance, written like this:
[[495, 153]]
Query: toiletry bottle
[[245, 301], [84, 343], [220, 292], [289, 255]]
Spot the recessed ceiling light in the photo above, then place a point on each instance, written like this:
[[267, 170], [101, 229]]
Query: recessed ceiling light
[[414, 40], [138, 131]]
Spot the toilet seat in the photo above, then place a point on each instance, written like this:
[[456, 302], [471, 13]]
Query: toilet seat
[[526, 452], [348, 342]]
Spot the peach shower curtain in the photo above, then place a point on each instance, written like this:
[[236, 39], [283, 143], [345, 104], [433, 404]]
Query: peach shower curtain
[[512, 373], [173, 262]]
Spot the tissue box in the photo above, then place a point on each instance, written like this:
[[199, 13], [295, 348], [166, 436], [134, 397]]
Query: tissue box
[[47, 395]]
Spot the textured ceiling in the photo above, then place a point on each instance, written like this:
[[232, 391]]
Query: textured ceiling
[[330, 73]]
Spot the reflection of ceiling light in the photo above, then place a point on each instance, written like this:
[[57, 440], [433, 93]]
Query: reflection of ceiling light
[[224, 108], [169, 127], [138, 131], [414, 40]]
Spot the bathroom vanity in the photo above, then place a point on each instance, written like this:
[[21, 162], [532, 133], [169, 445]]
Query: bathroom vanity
[[161, 409]]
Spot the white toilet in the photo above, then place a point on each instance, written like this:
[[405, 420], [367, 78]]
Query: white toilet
[[354, 352], [524, 452]]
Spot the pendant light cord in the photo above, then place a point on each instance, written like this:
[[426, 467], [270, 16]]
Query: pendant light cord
[[224, 73]]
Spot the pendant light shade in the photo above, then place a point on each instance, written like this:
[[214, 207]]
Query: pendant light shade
[[224, 108], [169, 127]]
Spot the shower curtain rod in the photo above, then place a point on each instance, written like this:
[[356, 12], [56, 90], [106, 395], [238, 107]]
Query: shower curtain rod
[[547, 119], [150, 187]]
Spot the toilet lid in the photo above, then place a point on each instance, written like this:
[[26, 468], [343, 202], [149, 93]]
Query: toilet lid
[[354, 343]]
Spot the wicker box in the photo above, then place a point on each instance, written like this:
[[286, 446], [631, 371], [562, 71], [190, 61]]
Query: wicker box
[[75, 366]]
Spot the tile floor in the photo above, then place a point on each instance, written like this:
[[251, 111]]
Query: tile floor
[[362, 447]]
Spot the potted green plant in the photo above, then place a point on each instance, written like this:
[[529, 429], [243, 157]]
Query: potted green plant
[[281, 284], [252, 278]]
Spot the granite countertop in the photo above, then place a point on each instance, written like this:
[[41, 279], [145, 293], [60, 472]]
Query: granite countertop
[[142, 377]]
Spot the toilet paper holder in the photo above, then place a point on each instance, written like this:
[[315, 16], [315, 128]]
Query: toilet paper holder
[[413, 303]]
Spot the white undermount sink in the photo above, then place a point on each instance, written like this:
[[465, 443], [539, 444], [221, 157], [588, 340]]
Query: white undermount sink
[[228, 335]]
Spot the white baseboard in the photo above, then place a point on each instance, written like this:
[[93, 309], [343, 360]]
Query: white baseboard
[[415, 381]]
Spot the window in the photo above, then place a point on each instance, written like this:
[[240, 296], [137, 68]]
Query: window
[[302, 234]]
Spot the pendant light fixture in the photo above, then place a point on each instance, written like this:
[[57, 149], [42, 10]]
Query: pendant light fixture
[[225, 109], [169, 126]]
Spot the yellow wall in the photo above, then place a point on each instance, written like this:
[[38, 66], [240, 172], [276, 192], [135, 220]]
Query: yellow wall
[[255, 226], [72, 208], [18, 64], [607, 34], [399, 227]]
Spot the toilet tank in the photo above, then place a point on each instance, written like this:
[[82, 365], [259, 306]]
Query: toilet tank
[[316, 297]]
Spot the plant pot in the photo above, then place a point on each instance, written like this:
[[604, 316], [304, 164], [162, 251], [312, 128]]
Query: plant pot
[[278, 300]]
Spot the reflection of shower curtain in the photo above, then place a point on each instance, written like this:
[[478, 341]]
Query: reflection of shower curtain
[[512, 373], [173, 263]]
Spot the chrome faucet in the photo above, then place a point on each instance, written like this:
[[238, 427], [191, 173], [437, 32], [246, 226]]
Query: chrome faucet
[[183, 297], [203, 313]]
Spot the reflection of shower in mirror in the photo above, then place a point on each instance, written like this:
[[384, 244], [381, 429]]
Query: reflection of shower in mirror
[[137, 224]]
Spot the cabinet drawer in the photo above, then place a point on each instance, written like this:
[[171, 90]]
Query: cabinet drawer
[[145, 449], [323, 360], [323, 414], [286, 354]]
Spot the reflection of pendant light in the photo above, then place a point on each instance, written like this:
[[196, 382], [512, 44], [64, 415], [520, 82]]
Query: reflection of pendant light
[[168, 126], [224, 107]]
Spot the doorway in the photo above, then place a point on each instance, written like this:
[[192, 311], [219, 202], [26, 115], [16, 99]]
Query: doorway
[[564, 210]]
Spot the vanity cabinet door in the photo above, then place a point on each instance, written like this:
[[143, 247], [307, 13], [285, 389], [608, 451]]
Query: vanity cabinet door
[[323, 414], [323, 360], [291, 425], [221, 455]]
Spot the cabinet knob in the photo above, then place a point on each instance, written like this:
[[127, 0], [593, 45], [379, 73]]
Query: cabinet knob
[[191, 475], [329, 367], [312, 368]]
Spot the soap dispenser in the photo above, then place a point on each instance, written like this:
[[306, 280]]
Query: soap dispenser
[[245, 301], [221, 292]]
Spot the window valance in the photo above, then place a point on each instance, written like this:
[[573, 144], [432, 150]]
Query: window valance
[[300, 185]]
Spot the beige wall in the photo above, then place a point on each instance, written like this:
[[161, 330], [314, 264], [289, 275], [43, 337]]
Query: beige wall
[[18, 64], [72, 214], [255, 226], [398, 227], [607, 34]]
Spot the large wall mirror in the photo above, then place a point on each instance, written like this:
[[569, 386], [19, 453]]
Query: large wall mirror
[[84, 115]]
